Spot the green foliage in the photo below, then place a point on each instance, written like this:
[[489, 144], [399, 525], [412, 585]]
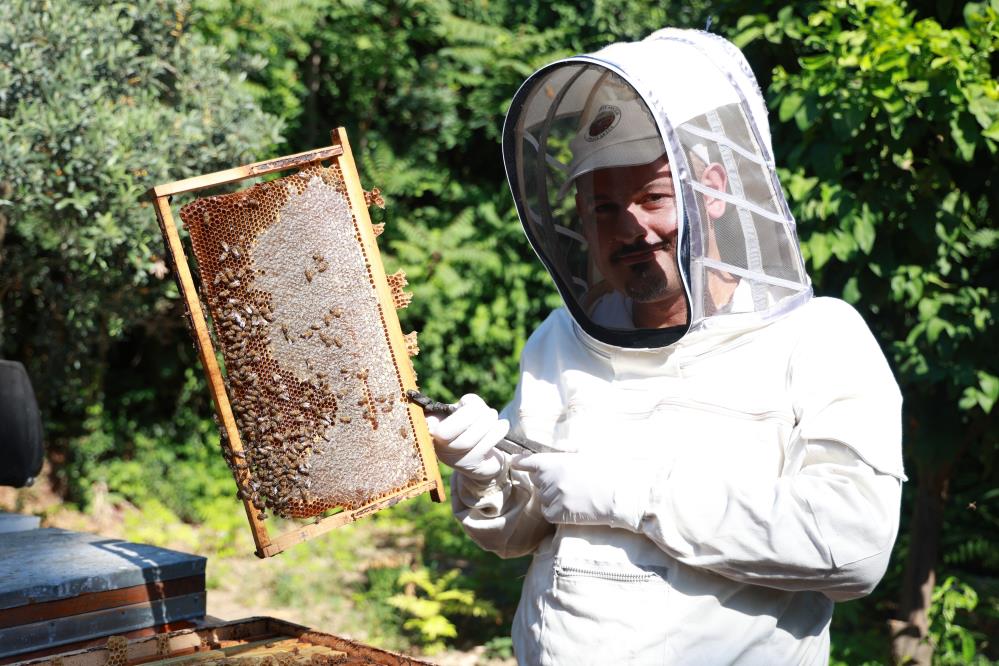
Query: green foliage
[[886, 124], [887, 136], [500, 647], [175, 462], [953, 644], [98, 101], [877, 97], [431, 601]]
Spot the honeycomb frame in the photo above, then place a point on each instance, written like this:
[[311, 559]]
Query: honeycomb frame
[[343, 173]]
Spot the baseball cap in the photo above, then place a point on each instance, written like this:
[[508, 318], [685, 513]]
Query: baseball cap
[[616, 130]]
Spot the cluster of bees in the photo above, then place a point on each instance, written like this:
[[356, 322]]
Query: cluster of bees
[[319, 329], [282, 419]]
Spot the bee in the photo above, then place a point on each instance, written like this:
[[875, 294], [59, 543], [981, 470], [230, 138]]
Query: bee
[[284, 331], [306, 335], [308, 275], [337, 341], [403, 432]]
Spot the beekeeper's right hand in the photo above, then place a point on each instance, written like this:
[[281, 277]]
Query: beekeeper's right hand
[[466, 439]]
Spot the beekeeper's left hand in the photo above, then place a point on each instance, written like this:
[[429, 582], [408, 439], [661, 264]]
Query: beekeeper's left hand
[[586, 489]]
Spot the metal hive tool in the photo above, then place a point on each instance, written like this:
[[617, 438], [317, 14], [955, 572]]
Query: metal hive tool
[[312, 405]]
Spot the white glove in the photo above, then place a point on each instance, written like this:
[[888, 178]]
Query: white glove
[[586, 489], [465, 440]]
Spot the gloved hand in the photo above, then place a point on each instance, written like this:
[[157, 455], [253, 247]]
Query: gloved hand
[[465, 440], [586, 489]]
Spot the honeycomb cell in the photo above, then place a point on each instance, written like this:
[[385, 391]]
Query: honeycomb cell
[[309, 369], [117, 649]]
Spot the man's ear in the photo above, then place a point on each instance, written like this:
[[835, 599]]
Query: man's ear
[[715, 177]]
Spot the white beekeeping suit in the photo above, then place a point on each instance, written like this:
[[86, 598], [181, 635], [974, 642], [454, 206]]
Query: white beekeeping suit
[[727, 470]]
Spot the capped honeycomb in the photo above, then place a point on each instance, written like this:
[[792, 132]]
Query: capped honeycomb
[[309, 367]]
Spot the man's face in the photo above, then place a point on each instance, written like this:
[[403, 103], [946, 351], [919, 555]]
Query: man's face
[[629, 218]]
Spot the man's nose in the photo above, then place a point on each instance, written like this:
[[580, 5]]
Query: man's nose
[[634, 224]]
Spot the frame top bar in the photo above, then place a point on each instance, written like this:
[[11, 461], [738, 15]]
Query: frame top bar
[[242, 172]]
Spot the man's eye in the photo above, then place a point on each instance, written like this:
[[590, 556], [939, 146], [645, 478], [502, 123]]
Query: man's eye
[[659, 198]]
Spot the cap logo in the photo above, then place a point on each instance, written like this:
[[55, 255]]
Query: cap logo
[[606, 119]]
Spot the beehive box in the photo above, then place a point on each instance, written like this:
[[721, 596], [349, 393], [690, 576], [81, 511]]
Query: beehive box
[[258, 641], [59, 587], [312, 402]]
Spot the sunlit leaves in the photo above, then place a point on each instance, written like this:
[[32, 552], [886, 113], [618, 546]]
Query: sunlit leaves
[[905, 190], [98, 102]]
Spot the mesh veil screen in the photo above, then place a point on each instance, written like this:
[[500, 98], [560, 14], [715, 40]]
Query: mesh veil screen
[[310, 371]]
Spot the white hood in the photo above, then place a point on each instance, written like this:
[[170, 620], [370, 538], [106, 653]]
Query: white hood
[[698, 94]]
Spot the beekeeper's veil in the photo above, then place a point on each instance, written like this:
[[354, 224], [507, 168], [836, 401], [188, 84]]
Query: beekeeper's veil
[[684, 97]]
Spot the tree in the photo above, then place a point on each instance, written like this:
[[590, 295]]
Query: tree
[[889, 127], [98, 102]]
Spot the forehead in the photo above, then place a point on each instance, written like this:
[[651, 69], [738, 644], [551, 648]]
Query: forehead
[[626, 179]]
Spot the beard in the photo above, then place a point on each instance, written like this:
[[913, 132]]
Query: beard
[[648, 283]]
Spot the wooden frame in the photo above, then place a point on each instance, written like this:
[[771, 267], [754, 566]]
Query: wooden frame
[[221, 641], [340, 152]]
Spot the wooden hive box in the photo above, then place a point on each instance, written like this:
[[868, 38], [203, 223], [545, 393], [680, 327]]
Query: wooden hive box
[[260, 640], [59, 587]]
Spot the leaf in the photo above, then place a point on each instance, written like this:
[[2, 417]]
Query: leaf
[[989, 391], [959, 132], [814, 62], [863, 229], [818, 247], [851, 291], [799, 186], [436, 627], [789, 105]]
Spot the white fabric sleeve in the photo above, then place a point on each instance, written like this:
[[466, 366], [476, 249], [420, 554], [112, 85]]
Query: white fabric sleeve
[[830, 519], [502, 517], [828, 528]]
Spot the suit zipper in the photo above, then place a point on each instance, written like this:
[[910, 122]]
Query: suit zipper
[[621, 577]]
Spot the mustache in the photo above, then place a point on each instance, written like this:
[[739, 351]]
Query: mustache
[[639, 248]]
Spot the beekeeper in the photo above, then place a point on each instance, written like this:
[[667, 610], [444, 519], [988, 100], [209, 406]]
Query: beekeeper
[[729, 456]]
